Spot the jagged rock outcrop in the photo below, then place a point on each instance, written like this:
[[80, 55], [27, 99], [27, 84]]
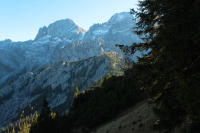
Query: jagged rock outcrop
[[64, 29], [31, 68], [57, 82], [117, 30], [64, 40], [42, 32]]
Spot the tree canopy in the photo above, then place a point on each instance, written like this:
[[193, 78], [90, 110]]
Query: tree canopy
[[170, 71]]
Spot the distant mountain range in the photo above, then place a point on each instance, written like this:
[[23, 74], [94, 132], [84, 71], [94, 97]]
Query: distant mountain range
[[61, 57]]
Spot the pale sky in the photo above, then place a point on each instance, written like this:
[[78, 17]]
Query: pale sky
[[20, 20]]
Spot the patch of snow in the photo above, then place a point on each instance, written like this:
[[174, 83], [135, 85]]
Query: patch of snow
[[57, 39], [67, 40], [43, 42], [101, 32], [47, 37]]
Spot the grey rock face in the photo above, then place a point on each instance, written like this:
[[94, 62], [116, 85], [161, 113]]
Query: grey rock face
[[116, 30], [64, 40], [67, 29], [62, 56], [42, 32], [58, 82], [13, 61]]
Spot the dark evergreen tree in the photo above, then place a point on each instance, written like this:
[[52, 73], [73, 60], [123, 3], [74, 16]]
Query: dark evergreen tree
[[45, 113], [170, 71], [44, 121]]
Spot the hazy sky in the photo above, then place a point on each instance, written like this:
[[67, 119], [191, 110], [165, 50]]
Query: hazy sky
[[21, 19]]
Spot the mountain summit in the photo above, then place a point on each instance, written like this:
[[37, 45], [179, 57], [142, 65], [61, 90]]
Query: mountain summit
[[116, 30], [64, 41], [66, 28], [120, 16]]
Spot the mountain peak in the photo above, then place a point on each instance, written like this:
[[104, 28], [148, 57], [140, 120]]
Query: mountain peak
[[120, 16], [63, 21], [65, 28], [42, 32], [7, 41]]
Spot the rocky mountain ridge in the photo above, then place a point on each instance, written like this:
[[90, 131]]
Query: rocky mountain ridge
[[67, 29], [31, 68], [47, 49], [57, 82]]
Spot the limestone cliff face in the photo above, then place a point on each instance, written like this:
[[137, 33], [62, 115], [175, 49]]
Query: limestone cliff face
[[67, 29], [42, 32], [116, 30], [62, 56], [57, 82], [64, 40]]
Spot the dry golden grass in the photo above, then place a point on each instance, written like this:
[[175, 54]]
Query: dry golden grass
[[136, 119], [133, 120]]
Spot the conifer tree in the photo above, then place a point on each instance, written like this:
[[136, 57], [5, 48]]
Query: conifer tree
[[45, 112], [44, 120], [170, 71]]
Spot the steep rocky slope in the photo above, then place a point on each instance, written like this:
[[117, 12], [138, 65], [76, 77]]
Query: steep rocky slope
[[64, 40], [64, 29], [62, 56], [117, 30], [57, 82]]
